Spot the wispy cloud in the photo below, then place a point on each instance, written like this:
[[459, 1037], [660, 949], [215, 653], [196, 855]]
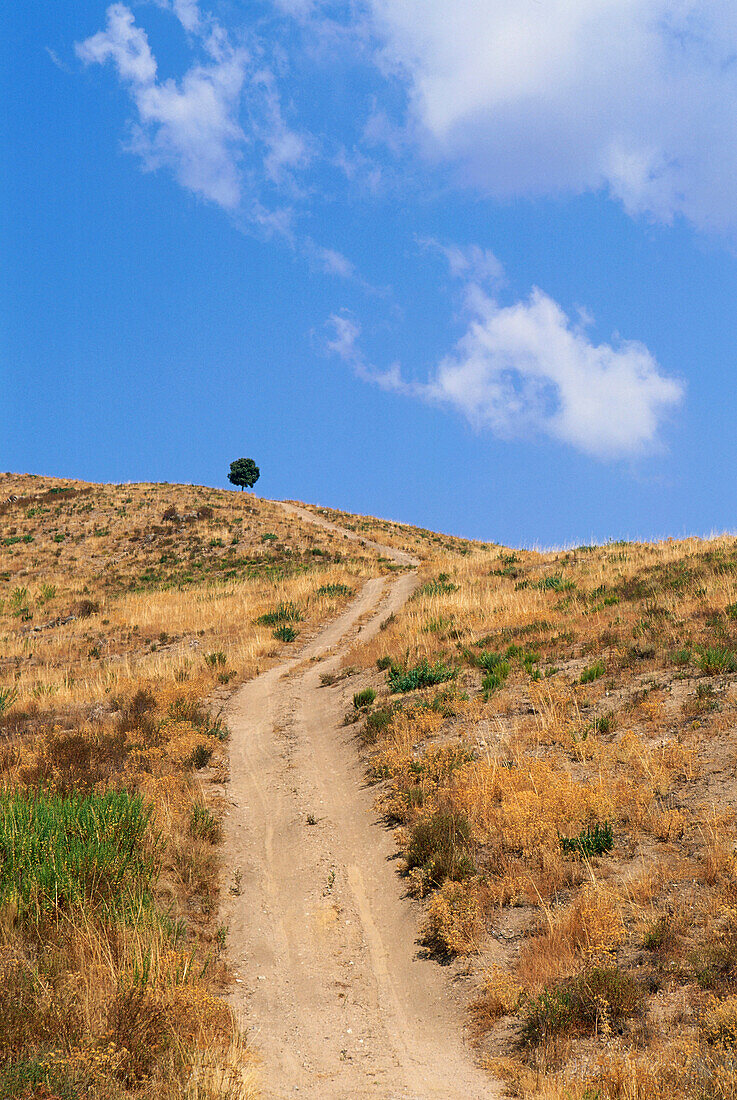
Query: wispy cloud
[[190, 126], [56, 60], [344, 334], [526, 369], [472, 263], [194, 125], [221, 128]]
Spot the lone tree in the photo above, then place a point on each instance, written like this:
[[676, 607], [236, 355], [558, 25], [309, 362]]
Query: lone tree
[[243, 472]]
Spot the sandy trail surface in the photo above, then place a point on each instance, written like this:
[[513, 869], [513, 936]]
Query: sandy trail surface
[[331, 985]]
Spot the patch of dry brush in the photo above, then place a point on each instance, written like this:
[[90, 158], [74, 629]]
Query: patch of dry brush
[[126, 613], [565, 803]]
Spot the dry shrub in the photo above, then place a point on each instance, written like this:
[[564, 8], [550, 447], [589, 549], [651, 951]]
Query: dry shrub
[[455, 923], [137, 1027], [587, 932], [718, 1024], [587, 1003], [501, 995]]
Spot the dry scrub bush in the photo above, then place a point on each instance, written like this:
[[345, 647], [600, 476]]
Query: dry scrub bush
[[586, 933], [455, 923], [501, 995]]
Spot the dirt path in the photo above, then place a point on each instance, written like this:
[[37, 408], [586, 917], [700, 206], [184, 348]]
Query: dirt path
[[329, 983]]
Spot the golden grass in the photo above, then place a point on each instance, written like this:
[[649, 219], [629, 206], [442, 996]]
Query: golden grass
[[615, 704], [125, 612]]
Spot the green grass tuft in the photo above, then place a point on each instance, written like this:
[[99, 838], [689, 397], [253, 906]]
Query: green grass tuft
[[422, 675], [60, 852]]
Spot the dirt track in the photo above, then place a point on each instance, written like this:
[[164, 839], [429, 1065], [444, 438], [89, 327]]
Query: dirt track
[[330, 986]]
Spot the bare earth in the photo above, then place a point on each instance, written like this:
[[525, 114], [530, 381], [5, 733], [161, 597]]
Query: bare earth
[[330, 983]]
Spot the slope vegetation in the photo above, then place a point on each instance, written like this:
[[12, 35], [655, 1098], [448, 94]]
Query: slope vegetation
[[552, 735], [125, 612]]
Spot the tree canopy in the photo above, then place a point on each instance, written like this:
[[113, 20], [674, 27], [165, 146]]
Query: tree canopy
[[244, 472]]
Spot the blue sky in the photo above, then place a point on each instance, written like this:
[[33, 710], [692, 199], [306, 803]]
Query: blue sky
[[470, 266]]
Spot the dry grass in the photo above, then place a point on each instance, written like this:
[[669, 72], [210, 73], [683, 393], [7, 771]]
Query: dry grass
[[594, 688], [126, 614]]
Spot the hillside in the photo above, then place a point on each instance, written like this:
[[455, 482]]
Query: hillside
[[564, 791], [549, 737], [127, 615]]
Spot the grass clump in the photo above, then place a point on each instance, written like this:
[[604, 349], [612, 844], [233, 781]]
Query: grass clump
[[204, 824], [554, 582], [495, 677], [7, 697], [334, 590], [593, 672], [593, 841], [714, 660], [440, 848], [285, 633], [216, 660], [377, 723], [441, 586], [363, 699], [286, 612], [61, 852], [423, 675]]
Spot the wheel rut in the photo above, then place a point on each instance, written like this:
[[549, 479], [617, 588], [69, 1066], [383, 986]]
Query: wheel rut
[[330, 985]]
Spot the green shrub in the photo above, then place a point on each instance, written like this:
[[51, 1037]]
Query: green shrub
[[716, 659], [495, 677], [59, 852], [591, 842], [440, 847], [216, 660], [377, 723], [580, 1005], [383, 663], [334, 590], [593, 672], [21, 1079], [285, 633], [364, 698], [422, 675], [284, 613]]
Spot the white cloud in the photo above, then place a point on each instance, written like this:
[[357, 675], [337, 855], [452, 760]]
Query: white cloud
[[479, 265], [329, 261], [525, 369], [639, 96], [123, 43], [193, 125]]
